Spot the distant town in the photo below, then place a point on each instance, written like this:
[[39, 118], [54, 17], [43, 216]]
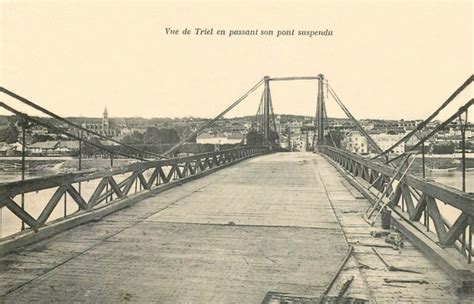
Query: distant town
[[295, 133]]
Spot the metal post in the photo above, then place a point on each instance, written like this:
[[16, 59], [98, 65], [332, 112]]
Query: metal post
[[289, 138], [316, 121], [427, 215], [463, 242], [423, 159], [266, 110], [65, 204], [23, 163], [469, 258], [80, 159], [463, 147], [80, 154], [23, 149], [111, 165]]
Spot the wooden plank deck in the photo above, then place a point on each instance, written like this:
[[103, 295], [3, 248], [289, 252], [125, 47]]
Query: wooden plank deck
[[275, 223], [349, 206]]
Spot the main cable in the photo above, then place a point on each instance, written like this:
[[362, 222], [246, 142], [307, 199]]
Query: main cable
[[461, 110], [45, 111], [212, 121], [427, 120], [370, 140], [60, 131]]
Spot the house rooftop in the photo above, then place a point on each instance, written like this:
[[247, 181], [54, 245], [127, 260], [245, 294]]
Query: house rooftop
[[69, 144], [50, 144]]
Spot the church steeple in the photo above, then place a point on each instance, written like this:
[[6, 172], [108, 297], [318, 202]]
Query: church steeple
[[105, 120]]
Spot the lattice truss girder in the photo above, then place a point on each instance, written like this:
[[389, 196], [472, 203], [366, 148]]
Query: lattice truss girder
[[110, 186], [420, 201]]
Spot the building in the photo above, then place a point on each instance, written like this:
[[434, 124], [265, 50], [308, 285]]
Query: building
[[38, 130], [54, 148], [6, 149], [207, 138], [104, 128], [235, 138], [355, 142], [385, 141], [68, 147], [219, 138], [44, 148], [298, 142]]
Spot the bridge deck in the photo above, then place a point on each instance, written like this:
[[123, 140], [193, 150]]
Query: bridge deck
[[266, 224]]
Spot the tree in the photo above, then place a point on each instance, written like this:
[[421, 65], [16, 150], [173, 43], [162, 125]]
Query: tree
[[337, 136], [273, 137], [186, 131], [90, 150], [9, 134], [135, 138], [307, 128], [155, 135], [40, 138], [469, 145], [254, 138], [446, 148]]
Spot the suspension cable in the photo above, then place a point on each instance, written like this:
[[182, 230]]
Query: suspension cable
[[209, 123], [325, 117], [60, 131], [427, 120], [461, 110], [45, 111], [325, 114], [354, 120], [271, 110], [257, 116]]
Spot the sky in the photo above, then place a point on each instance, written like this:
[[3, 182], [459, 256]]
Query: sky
[[387, 60]]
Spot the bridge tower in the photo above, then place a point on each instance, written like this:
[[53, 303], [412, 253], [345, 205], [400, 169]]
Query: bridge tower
[[266, 110], [320, 110]]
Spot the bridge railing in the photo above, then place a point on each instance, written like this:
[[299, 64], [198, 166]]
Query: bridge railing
[[425, 204], [34, 203]]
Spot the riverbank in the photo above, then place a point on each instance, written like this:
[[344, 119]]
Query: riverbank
[[443, 163], [40, 163], [94, 163]]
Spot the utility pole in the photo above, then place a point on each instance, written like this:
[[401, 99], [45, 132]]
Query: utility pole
[[289, 138], [24, 125], [80, 158], [463, 127]]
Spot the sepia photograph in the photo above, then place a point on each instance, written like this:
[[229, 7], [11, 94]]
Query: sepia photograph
[[236, 151]]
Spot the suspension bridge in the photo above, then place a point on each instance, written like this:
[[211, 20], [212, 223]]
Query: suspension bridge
[[252, 224]]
